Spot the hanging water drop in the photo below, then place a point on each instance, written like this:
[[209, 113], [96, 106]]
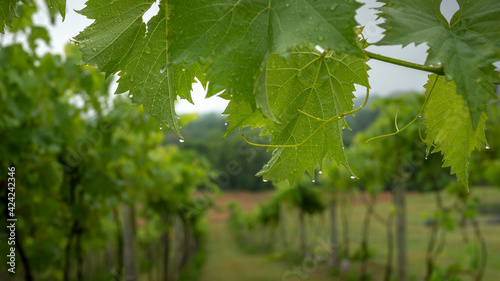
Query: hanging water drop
[[161, 128], [425, 157], [487, 147], [264, 180], [225, 123], [130, 96], [353, 177], [181, 140], [313, 180], [178, 117], [320, 172], [419, 116]]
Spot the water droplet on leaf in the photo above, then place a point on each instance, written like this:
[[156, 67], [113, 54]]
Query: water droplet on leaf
[[299, 73], [163, 68], [320, 38], [95, 49], [333, 7]]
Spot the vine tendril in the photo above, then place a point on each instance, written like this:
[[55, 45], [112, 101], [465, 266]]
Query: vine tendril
[[412, 121], [325, 122]]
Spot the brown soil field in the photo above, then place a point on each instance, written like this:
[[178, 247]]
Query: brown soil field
[[249, 200]]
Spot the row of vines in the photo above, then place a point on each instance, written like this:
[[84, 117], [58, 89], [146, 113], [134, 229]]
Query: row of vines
[[99, 193]]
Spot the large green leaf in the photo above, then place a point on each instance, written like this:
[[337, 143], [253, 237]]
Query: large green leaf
[[238, 36], [449, 126], [7, 13], [466, 47], [118, 42], [319, 85]]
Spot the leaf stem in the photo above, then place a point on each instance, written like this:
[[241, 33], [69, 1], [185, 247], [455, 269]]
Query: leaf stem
[[439, 70]]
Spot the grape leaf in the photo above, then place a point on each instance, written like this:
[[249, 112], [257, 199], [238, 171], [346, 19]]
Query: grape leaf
[[319, 85], [118, 42], [238, 36], [241, 115], [59, 5], [466, 47], [7, 13], [449, 126]]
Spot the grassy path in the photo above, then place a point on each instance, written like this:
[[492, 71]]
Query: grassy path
[[227, 262]]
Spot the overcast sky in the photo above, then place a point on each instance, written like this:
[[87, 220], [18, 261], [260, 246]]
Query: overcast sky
[[385, 78]]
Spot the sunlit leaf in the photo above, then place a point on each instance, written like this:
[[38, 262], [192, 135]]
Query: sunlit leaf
[[449, 126], [304, 92]]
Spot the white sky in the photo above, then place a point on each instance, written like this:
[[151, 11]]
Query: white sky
[[384, 78]]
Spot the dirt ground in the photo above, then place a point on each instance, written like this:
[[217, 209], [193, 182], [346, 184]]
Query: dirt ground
[[249, 200]]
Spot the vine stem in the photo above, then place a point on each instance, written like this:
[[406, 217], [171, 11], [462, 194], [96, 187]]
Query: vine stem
[[439, 70]]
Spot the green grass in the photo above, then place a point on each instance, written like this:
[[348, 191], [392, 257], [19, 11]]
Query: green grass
[[227, 261]]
